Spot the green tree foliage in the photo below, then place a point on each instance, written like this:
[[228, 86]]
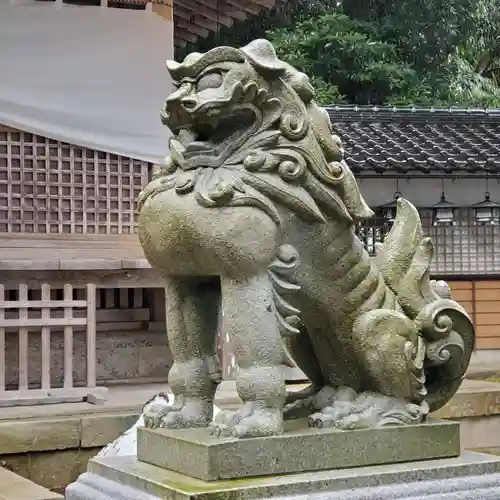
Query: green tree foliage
[[422, 52]]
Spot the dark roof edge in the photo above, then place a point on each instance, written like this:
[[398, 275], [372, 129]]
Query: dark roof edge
[[350, 113]]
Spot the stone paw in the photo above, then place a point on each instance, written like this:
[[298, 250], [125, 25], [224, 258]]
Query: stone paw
[[330, 417], [366, 410], [183, 419], [321, 420], [191, 413], [250, 421], [154, 414]]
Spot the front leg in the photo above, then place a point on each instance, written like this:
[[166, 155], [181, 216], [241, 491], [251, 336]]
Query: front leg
[[192, 308], [252, 328]]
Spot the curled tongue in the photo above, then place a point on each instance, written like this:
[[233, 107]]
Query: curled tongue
[[186, 136], [177, 151]]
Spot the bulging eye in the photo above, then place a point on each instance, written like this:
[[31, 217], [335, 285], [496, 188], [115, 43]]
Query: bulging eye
[[209, 81]]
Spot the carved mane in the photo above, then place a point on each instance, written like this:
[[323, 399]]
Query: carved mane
[[285, 153]]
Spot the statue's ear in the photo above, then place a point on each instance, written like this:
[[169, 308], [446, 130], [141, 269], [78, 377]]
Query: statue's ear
[[262, 56]]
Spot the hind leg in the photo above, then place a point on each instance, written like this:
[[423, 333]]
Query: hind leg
[[390, 353], [192, 307], [252, 327]]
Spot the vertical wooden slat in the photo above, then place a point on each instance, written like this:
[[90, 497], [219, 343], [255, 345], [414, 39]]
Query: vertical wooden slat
[[46, 195], [2, 344], [100, 299], [109, 298], [131, 200], [121, 216], [72, 209], [123, 296], [59, 200], [9, 184], [68, 340], [45, 338], [23, 340], [95, 198], [21, 185], [138, 298], [84, 191], [91, 335], [474, 306], [108, 193], [157, 304]]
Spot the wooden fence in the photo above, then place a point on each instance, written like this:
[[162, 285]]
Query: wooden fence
[[462, 249], [38, 312]]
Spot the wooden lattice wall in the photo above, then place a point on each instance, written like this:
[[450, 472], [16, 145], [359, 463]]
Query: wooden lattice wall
[[47, 186]]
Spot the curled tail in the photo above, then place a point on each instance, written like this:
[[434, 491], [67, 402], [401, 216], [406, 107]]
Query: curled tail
[[404, 260]]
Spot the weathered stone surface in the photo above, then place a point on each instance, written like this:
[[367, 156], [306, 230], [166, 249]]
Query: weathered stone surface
[[466, 477], [14, 487], [39, 435], [18, 463], [197, 454], [476, 398], [254, 212], [56, 469], [51, 469], [122, 355], [100, 430]]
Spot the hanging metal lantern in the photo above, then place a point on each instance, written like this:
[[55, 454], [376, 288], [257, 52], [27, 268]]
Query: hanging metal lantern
[[444, 212], [389, 210], [486, 211]]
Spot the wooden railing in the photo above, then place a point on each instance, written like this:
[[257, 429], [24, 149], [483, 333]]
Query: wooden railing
[[37, 313]]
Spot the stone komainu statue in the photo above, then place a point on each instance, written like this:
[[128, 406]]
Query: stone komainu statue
[[254, 211]]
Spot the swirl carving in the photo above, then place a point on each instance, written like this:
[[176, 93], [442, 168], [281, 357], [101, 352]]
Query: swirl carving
[[436, 319], [444, 350], [293, 126]]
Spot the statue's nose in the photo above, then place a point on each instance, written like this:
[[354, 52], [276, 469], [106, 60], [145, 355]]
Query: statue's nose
[[188, 103], [172, 102]]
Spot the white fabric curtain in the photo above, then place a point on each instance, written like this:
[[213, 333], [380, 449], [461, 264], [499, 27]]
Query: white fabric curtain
[[90, 76]]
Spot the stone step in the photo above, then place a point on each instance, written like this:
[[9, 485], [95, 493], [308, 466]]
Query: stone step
[[14, 487], [472, 476]]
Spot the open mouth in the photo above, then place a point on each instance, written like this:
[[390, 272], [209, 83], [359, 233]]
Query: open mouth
[[214, 134]]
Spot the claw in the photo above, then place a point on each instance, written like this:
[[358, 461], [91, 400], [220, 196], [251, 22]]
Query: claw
[[220, 430], [155, 414], [321, 420], [250, 421]]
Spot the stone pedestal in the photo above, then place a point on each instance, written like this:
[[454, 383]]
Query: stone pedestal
[[414, 462], [197, 454]]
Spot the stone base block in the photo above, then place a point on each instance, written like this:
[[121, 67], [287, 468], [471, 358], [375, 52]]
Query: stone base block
[[472, 476], [196, 453]]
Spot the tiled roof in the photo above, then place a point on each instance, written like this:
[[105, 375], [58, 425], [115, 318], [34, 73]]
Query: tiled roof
[[412, 140]]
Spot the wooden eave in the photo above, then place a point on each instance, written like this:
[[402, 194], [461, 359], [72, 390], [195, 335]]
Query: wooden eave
[[195, 19]]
